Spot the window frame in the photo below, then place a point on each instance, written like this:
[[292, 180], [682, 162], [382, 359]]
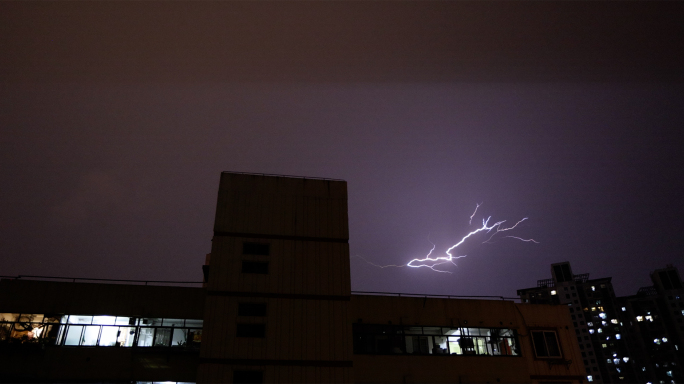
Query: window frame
[[554, 331]]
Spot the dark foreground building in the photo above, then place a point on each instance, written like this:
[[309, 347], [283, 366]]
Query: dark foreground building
[[276, 306], [632, 339]]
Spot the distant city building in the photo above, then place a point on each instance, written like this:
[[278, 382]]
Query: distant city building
[[620, 338], [276, 306]]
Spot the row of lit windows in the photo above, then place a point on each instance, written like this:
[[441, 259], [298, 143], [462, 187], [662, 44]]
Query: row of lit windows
[[102, 331], [394, 340]]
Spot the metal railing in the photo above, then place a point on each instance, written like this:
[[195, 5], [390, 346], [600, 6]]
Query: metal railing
[[88, 279], [550, 283], [422, 295], [290, 176]]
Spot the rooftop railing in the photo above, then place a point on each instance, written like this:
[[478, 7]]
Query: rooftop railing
[[422, 295], [290, 176], [109, 281]]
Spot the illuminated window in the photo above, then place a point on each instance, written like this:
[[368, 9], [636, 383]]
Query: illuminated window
[[624, 309], [388, 339], [546, 344], [590, 378], [625, 359], [664, 339], [614, 321], [617, 336], [106, 331], [602, 315], [604, 345], [591, 331], [600, 330], [553, 292], [593, 308], [640, 318], [593, 288], [657, 341], [649, 318]]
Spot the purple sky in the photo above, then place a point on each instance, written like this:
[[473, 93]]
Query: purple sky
[[117, 118]]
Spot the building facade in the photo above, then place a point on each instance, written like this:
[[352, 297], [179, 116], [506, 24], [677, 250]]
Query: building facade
[[276, 306], [620, 338]]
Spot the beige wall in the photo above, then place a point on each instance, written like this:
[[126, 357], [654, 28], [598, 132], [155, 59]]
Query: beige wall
[[31, 296], [283, 206], [306, 290], [312, 330], [295, 267]]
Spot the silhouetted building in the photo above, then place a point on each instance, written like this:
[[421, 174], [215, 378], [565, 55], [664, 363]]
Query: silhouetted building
[[276, 306], [620, 338], [654, 318]]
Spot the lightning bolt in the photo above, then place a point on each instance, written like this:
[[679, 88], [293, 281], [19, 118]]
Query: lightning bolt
[[526, 240], [473, 215], [499, 229], [433, 262]]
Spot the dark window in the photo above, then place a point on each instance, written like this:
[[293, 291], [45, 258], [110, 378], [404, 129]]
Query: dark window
[[263, 249], [255, 267], [545, 344], [248, 377], [251, 330], [252, 309]]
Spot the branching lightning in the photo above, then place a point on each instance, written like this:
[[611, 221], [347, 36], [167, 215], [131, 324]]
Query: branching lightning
[[525, 240], [433, 262], [473, 215]]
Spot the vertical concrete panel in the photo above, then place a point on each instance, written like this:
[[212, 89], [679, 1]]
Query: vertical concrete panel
[[274, 209]]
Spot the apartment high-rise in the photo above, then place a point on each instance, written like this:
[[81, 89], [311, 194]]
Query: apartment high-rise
[[622, 339]]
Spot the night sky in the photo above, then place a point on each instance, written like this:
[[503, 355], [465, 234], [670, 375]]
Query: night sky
[[116, 119]]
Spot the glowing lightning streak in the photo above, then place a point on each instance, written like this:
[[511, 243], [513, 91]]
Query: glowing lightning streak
[[498, 229], [473, 215], [435, 261], [376, 265], [526, 240]]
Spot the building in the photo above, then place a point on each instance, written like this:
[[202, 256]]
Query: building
[[277, 306], [620, 338], [654, 319]]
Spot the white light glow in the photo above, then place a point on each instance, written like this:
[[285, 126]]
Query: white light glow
[[433, 262]]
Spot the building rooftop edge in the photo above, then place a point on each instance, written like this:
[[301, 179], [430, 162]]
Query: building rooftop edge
[[288, 176]]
